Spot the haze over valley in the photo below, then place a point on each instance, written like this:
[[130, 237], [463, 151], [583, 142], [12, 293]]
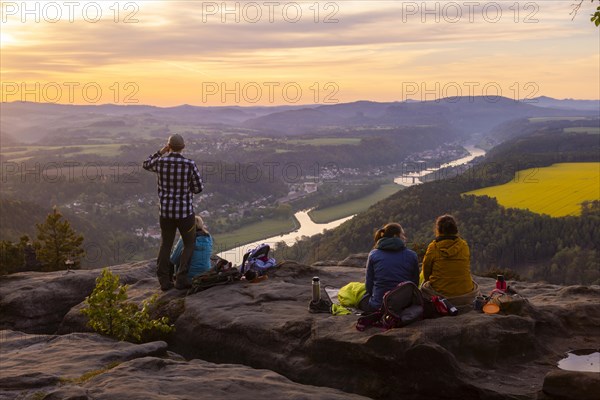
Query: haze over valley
[[260, 164]]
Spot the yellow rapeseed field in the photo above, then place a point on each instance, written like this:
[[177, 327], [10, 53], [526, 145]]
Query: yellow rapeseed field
[[557, 190]]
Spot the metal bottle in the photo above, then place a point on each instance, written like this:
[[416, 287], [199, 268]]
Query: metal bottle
[[316, 289]]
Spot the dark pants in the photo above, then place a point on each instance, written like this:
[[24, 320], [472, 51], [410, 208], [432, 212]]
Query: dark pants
[[168, 228], [364, 304]]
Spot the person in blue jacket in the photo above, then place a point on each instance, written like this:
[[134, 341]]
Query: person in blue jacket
[[200, 261], [389, 263]]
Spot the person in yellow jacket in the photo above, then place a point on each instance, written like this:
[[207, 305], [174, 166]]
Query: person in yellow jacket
[[447, 262]]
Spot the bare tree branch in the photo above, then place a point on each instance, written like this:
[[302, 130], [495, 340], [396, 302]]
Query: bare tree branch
[[576, 8]]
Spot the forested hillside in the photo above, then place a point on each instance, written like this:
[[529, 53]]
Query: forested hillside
[[558, 250], [86, 160], [105, 241]]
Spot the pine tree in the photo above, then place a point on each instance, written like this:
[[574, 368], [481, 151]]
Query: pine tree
[[58, 242], [11, 257], [110, 313]]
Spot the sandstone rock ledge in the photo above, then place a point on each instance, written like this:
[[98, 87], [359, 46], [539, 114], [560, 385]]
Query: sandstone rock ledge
[[267, 326], [37, 302], [88, 366]]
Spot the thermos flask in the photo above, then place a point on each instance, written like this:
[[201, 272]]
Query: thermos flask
[[316, 289]]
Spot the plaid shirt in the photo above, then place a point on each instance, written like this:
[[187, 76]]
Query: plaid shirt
[[178, 180]]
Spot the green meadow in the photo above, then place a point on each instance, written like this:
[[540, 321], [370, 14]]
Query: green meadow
[[19, 152], [326, 141], [547, 119], [256, 231], [355, 206], [590, 130], [557, 190]]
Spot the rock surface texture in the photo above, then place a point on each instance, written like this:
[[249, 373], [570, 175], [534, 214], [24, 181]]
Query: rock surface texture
[[89, 366], [267, 326]]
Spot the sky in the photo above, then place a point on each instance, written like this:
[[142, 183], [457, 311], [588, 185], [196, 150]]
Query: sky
[[168, 53]]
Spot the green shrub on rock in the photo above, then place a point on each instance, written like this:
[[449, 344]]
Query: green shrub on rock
[[111, 314]]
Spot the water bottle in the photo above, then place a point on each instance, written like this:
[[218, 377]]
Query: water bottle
[[453, 311], [316, 289], [500, 283]]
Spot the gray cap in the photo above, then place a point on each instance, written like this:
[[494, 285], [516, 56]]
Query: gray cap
[[176, 142]]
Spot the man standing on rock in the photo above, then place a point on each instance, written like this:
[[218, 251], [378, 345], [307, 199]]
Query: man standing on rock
[[178, 180]]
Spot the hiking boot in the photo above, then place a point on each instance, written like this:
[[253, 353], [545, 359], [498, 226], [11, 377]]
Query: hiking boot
[[165, 286], [321, 306], [183, 283]]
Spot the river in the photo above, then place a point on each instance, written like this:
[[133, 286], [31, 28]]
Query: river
[[307, 228], [310, 228], [421, 169]]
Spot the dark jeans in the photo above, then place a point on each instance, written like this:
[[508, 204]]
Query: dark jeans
[[168, 228], [364, 304]]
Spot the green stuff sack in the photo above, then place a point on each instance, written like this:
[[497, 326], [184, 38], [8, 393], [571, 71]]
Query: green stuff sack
[[350, 295], [336, 309]]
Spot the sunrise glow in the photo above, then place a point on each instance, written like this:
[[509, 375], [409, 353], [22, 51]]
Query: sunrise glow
[[255, 53]]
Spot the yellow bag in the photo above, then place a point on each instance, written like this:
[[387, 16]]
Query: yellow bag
[[350, 294]]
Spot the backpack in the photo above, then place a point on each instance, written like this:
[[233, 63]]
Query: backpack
[[401, 306], [221, 273], [509, 302], [257, 260]]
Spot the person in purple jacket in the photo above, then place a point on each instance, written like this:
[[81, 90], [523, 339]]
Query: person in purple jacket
[[389, 263]]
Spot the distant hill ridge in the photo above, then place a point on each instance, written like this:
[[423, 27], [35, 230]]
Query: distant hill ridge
[[471, 114]]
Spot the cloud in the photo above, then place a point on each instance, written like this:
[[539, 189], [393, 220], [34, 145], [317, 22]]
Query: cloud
[[388, 37]]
